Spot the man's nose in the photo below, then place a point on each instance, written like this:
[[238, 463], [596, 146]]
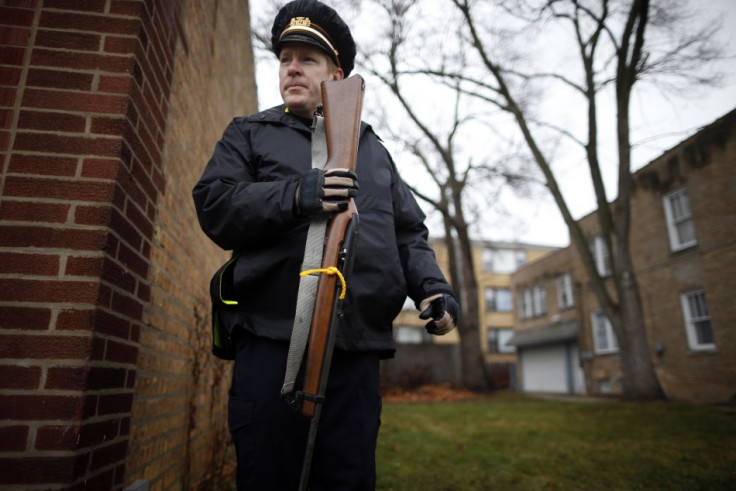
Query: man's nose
[[294, 68]]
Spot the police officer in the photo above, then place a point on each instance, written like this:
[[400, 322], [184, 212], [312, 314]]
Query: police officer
[[256, 197]]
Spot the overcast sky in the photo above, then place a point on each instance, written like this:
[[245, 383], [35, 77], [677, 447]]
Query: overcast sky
[[660, 125]]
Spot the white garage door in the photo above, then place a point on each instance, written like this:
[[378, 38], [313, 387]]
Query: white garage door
[[543, 369]]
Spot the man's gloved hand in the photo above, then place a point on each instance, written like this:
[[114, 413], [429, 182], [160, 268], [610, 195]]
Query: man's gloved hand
[[444, 311], [325, 191]]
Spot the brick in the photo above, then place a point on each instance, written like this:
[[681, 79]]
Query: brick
[[4, 141], [113, 325], [114, 404], [75, 101], [41, 407], [134, 216], [10, 75], [46, 347], [48, 188], [29, 264], [59, 122], [120, 45], [7, 96], [87, 6], [16, 16], [85, 378], [59, 79], [13, 438], [121, 352], [89, 23], [24, 318], [118, 85], [100, 168], [42, 236], [130, 306], [91, 266], [75, 320], [19, 377], [131, 259], [93, 215], [132, 9], [80, 41], [58, 291], [43, 165], [11, 55], [14, 36], [109, 126], [58, 437], [109, 454], [67, 144], [88, 62], [24, 211]]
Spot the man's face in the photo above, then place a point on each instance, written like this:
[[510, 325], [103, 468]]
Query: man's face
[[301, 70]]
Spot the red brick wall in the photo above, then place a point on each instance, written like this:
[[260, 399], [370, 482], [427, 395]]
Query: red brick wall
[[86, 179]]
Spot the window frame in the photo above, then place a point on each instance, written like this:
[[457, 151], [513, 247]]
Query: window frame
[[488, 254], [492, 303], [601, 256], [673, 222], [494, 337], [611, 341], [565, 295], [691, 319]]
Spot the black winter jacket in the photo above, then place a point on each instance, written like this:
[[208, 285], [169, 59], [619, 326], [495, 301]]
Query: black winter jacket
[[244, 202]]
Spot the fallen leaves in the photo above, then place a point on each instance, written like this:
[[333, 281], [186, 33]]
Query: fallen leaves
[[427, 393]]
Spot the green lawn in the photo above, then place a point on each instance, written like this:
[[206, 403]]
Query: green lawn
[[509, 441]]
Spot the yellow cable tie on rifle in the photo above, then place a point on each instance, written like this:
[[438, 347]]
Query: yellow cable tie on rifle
[[332, 270]]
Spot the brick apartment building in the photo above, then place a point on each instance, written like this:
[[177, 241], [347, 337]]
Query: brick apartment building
[[109, 110], [684, 247], [422, 358]]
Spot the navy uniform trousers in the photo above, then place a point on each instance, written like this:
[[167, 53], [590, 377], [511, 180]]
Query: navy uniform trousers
[[270, 438]]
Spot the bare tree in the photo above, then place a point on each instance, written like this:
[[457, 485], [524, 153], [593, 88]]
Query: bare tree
[[454, 175], [611, 39]]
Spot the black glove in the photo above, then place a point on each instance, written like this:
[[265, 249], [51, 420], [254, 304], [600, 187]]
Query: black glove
[[325, 191], [444, 311]]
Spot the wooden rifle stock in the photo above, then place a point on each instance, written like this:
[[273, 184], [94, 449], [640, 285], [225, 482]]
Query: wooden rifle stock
[[342, 103]]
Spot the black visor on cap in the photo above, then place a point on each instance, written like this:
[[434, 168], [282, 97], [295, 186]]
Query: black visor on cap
[[304, 37]]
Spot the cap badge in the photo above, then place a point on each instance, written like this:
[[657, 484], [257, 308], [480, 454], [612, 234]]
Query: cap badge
[[300, 22]]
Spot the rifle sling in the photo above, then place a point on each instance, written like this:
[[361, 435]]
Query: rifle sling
[[308, 284]]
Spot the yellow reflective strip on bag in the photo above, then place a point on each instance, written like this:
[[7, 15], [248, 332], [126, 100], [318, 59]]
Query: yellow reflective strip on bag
[[226, 302]]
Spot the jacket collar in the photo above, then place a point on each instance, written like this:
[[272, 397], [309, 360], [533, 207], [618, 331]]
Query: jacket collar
[[279, 115]]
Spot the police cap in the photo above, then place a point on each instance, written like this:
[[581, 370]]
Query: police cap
[[313, 22]]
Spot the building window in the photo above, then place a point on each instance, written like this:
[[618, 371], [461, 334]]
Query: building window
[[604, 339], [503, 260], [697, 321], [601, 255], [565, 298], [679, 220], [497, 339], [533, 302], [411, 335], [540, 300], [499, 300]]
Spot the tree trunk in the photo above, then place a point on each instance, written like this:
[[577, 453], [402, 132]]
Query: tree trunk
[[638, 375], [473, 365]]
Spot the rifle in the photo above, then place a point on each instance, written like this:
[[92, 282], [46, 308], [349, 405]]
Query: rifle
[[342, 105]]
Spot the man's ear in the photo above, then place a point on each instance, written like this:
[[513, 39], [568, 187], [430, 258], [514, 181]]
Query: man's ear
[[338, 75]]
